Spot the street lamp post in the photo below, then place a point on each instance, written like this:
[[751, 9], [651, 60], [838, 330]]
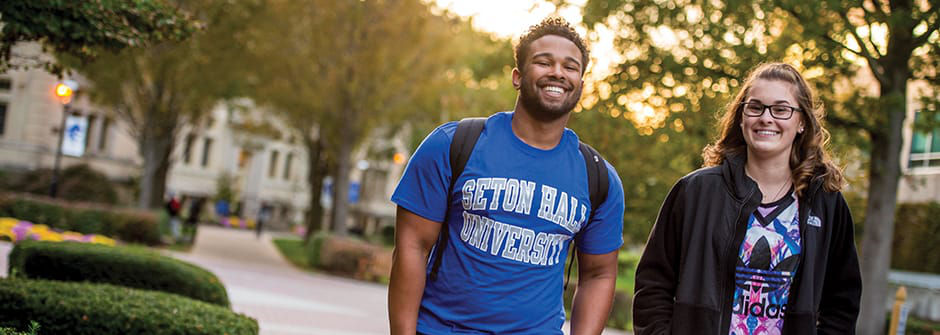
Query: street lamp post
[[64, 92]]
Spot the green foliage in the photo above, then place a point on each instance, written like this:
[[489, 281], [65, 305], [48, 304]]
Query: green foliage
[[352, 69], [78, 183], [33, 330], [621, 312], [683, 59], [915, 236], [124, 266], [917, 326], [126, 225], [81, 29], [293, 250], [88, 308], [155, 90], [314, 246], [223, 188]]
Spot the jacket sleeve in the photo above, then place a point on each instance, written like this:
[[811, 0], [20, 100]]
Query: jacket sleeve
[[842, 288], [657, 271]]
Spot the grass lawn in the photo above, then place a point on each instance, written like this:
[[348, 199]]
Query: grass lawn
[[293, 250]]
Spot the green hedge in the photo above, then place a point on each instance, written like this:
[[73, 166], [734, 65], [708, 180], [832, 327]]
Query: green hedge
[[314, 246], [87, 308], [78, 182], [133, 226], [916, 232], [124, 266]]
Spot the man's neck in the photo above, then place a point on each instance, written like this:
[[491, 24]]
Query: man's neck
[[544, 135]]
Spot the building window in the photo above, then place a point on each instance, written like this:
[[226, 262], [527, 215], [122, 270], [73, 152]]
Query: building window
[[3, 118], [272, 168], [290, 159], [5, 84], [103, 138], [206, 148], [188, 148], [925, 148]]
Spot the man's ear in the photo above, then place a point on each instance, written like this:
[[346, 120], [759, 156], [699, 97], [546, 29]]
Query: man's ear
[[516, 78]]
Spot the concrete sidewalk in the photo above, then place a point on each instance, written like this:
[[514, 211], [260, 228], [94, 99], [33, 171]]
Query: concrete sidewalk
[[283, 299]]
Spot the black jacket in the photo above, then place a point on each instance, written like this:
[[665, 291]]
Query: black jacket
[[685, 278]]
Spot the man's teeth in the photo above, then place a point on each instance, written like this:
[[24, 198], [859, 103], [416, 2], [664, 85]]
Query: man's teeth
[[554, 89]]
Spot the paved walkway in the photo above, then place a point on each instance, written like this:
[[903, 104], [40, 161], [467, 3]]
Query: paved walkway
[[283, 299]]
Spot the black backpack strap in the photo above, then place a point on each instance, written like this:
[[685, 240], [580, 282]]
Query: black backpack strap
[[597, 188], [465, 138]]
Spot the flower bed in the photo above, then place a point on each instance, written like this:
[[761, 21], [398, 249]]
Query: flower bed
[[126, 224], [19, 230]]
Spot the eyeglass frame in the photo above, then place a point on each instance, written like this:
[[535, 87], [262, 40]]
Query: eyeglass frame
[[764, 108]]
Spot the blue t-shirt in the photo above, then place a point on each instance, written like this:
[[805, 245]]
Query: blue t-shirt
[[512, 213]]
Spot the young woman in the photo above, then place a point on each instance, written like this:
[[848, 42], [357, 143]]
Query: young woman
[[760, 240]]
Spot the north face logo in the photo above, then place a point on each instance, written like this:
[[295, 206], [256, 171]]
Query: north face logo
[[814, 221]]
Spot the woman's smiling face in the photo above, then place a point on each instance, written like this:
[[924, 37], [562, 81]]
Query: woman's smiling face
[[768, 137]]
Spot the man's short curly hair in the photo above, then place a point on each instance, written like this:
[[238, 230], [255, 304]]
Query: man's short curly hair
[[550, 26]]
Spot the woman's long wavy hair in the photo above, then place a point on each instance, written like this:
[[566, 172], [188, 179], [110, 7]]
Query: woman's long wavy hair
[[809, 157]]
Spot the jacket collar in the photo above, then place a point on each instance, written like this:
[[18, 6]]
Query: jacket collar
[[732, 170], [741, 185]]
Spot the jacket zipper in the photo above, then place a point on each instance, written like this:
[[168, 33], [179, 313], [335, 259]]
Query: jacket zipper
[[804, 216], [732, 254]]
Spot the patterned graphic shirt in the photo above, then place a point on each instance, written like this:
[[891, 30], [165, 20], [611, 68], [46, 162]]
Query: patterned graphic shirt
[[767, 263]]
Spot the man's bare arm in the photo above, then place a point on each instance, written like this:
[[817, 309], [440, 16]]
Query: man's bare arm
[[414, 238], [597, 279]]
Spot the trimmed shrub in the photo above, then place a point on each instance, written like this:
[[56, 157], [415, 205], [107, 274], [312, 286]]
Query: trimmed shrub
[[351, 257], [77, 183], [313, 248], [124, 266], [87, 308], [916, 233], [128, 225]]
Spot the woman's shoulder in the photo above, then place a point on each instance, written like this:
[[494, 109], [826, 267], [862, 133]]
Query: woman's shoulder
[[703, 175]]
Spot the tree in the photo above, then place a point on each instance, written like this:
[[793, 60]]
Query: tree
[[84, 28], [157, 89], [705, 47], [344, 69]]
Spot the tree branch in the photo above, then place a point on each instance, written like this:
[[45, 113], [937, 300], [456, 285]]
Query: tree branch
[[873, 63], [861, 43]]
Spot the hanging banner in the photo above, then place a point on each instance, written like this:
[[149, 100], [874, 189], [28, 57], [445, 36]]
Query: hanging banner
[[73, 140]]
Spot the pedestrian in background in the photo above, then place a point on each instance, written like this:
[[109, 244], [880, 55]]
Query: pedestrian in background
[[264, 214], [192, 221], [173, 210], [761, 240]]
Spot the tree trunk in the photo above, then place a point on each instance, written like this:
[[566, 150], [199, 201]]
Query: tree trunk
[[884, 173], [315, 181], [341, 186], [155, 150]]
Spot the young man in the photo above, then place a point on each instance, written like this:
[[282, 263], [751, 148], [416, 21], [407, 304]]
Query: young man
[[521, 198]]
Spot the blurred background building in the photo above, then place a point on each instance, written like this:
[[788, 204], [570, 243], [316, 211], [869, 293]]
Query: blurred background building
[[238, 148]]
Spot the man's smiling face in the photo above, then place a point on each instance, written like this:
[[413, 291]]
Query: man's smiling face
[[550, 82]]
